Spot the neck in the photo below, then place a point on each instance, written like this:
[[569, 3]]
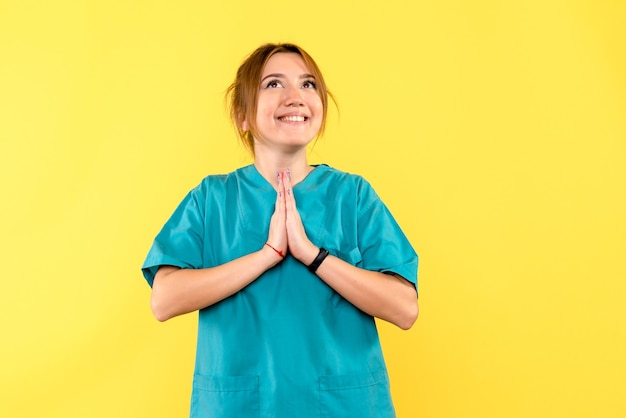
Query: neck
[[269, 163]]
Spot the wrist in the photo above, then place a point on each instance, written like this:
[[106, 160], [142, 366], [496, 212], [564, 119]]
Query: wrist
[[276, 250], [309, 255], [318, 260], [271, 254]]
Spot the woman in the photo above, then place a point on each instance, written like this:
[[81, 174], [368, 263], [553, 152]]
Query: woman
[[287, 263]]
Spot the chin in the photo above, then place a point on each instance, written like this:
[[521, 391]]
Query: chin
[[298, 141]]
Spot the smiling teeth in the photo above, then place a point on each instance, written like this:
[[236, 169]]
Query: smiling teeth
[[292, 118]]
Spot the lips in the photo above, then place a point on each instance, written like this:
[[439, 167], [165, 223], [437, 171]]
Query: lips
[[292, 118]]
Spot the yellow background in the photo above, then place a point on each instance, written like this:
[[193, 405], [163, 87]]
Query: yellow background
[[494, 130]]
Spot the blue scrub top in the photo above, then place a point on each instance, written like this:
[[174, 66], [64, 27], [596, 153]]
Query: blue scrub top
[[287, 345]]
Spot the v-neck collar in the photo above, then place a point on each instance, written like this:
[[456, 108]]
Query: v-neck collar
[[253, 175]]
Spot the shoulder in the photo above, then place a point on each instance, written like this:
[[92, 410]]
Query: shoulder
[[347, 184], [214, 183], [335, 175]]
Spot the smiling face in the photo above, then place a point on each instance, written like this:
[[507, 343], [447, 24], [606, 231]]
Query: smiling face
[[289, 107]]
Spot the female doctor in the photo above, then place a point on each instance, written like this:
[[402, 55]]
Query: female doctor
[[287, 263]]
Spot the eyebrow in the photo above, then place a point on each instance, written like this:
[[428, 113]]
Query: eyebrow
[[278, 75]]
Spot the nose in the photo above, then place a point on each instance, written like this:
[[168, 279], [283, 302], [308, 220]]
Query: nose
[[293, 97]]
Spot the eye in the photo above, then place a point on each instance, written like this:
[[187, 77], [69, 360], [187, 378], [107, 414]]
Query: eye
[[309, 84], [272, 84]]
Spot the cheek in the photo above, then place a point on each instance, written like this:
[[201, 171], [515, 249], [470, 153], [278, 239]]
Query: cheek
[[266, 107], [319, 109], [315, 104], [263, 113]]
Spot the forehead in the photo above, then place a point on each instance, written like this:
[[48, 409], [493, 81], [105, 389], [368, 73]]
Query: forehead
[[286, 63]]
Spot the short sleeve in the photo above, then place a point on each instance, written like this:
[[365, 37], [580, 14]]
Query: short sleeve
[[384, 246], [180, 242]]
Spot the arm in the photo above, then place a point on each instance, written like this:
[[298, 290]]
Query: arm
[[177, 291], [388, 297], [385, 296]]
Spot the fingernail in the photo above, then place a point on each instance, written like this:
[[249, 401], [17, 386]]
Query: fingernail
[[278, 177], [289, 192], [289, 174]]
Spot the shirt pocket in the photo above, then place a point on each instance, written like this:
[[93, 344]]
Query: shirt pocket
[[225, 397], [360, 395]]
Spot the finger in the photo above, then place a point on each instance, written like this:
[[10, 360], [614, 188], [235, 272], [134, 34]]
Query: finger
[[286, 175], [279, 185], [279, 209], [291, 209], [279, 205], [277, 235]]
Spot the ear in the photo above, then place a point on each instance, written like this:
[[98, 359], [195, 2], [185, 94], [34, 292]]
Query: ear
[[244, 126]]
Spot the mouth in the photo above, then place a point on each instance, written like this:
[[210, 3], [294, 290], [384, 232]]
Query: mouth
[[293, 118]]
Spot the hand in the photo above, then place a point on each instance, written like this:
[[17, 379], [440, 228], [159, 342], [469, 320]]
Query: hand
[[277, 236], [299, 244]]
